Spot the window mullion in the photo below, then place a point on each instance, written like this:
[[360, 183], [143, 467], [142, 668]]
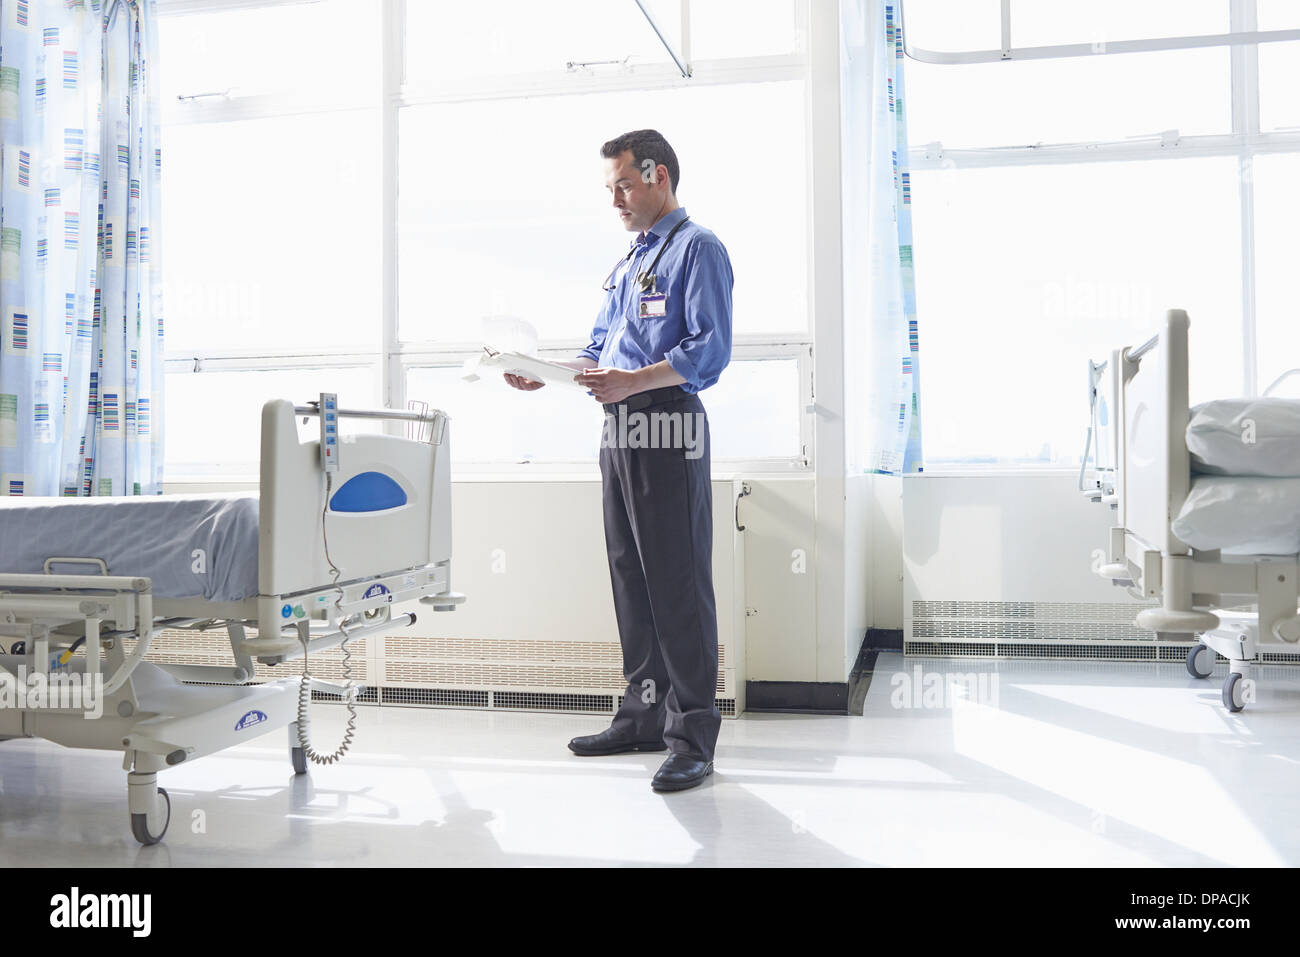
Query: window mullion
[[686, 30], [1245, 125], [393, 68]]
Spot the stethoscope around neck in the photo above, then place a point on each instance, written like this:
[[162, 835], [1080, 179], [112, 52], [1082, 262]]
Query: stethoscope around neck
[[646, 278]]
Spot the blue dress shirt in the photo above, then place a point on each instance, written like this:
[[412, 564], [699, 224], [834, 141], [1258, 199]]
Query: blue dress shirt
[[694, 334]]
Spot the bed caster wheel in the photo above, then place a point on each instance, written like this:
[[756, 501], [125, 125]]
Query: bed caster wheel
[[150, 828], [299, 758], [1200, 661], [1233, 697]]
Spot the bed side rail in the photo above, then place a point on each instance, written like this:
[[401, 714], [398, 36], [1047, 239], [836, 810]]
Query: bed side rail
[[43, 600]]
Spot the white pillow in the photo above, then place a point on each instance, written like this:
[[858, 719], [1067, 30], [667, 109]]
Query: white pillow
[[1246, 437], [1244, 516]]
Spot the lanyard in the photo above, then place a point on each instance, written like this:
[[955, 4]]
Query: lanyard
[[647, 278]]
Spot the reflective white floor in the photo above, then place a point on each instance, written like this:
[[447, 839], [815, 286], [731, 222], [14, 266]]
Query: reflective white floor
[[1040, 763]]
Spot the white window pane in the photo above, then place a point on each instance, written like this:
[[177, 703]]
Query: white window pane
[[753, 413], [727, 28], [1035, 23], [280, 251], [452, 42], [1279, 78], [754, 410], [1277, 14], [953, 25], [494, 423], [327, 45], [1069, 100], [1277, 209], [214, 419], [1024, 274], [527, 228]]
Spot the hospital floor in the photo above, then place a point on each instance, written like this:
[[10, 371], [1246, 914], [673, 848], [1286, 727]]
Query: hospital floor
[[1040, 763]]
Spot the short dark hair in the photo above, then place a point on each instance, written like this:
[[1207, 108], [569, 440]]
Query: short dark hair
[[645, 145]]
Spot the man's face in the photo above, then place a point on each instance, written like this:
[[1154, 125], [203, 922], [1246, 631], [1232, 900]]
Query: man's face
[[638, 194]]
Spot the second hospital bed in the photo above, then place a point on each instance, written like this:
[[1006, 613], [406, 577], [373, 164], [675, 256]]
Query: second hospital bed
[[1208, 505]]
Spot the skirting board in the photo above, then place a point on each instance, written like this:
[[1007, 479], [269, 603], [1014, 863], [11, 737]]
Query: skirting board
[[797, 697], [825, 697]]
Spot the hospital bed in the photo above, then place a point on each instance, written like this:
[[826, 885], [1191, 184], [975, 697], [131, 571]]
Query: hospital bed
[[342, 529], [1208, 506]]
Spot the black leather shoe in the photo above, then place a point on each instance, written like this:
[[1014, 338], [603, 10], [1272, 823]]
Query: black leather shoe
[[679, 772], [611, 742]]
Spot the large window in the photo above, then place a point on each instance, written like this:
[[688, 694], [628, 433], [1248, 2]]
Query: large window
[[1063, 204], [463, 139]]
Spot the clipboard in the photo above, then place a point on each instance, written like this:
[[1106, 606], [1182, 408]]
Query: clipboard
[[530, 367]]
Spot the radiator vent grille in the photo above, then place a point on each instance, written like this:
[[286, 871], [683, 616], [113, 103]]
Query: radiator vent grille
[[414, 648], [726, 706], [522, 675], [365, 695], [526, 675], [178, 647], [1105, 652], [1279, 657], [402, 669], [1121, 612], [534, 701], [996, 629], [1024, 629], [943, 648], [437, 697]]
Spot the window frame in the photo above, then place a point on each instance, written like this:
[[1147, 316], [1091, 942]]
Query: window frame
[[1238, 33], [389, 94], [1245, 142]]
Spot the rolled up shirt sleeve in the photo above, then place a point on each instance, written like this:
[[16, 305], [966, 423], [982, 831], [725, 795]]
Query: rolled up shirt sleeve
[[599, 331], [705, 351]]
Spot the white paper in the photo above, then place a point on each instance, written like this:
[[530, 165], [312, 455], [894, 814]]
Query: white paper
[[530, 367]]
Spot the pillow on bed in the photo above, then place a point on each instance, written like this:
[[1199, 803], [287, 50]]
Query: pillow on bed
[[1242, 515], [1246, 437]]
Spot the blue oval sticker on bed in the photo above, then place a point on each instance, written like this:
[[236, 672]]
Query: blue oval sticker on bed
[[367, 492]]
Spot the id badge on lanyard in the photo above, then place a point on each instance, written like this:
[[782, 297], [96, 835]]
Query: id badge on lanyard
[[653, 305]]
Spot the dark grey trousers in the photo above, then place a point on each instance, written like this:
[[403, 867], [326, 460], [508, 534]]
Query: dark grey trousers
[[658, 507]]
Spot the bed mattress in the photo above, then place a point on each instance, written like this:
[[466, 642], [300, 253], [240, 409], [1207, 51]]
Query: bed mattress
[[1241, 515], [192, 546]]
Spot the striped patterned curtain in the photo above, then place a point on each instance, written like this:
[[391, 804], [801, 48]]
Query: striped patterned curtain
[[80, 291], [892, 348]]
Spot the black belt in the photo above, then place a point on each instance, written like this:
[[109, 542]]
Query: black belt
[[643, 400]]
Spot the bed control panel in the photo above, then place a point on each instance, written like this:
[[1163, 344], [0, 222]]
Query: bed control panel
[[329, 431]]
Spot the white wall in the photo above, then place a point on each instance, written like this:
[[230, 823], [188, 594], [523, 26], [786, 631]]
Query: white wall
[[886, 544], [1004, 537], [860, 609], [530, 556]]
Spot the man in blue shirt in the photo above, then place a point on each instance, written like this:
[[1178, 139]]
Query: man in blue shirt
[[662, 336]]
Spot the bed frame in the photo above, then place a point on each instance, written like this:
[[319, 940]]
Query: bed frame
[[161, 715], [1152, 478]]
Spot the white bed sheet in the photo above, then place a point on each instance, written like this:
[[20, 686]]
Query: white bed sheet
[[190, 545]]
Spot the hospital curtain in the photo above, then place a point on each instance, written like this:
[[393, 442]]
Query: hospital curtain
[[881, 337], [80, 292]]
